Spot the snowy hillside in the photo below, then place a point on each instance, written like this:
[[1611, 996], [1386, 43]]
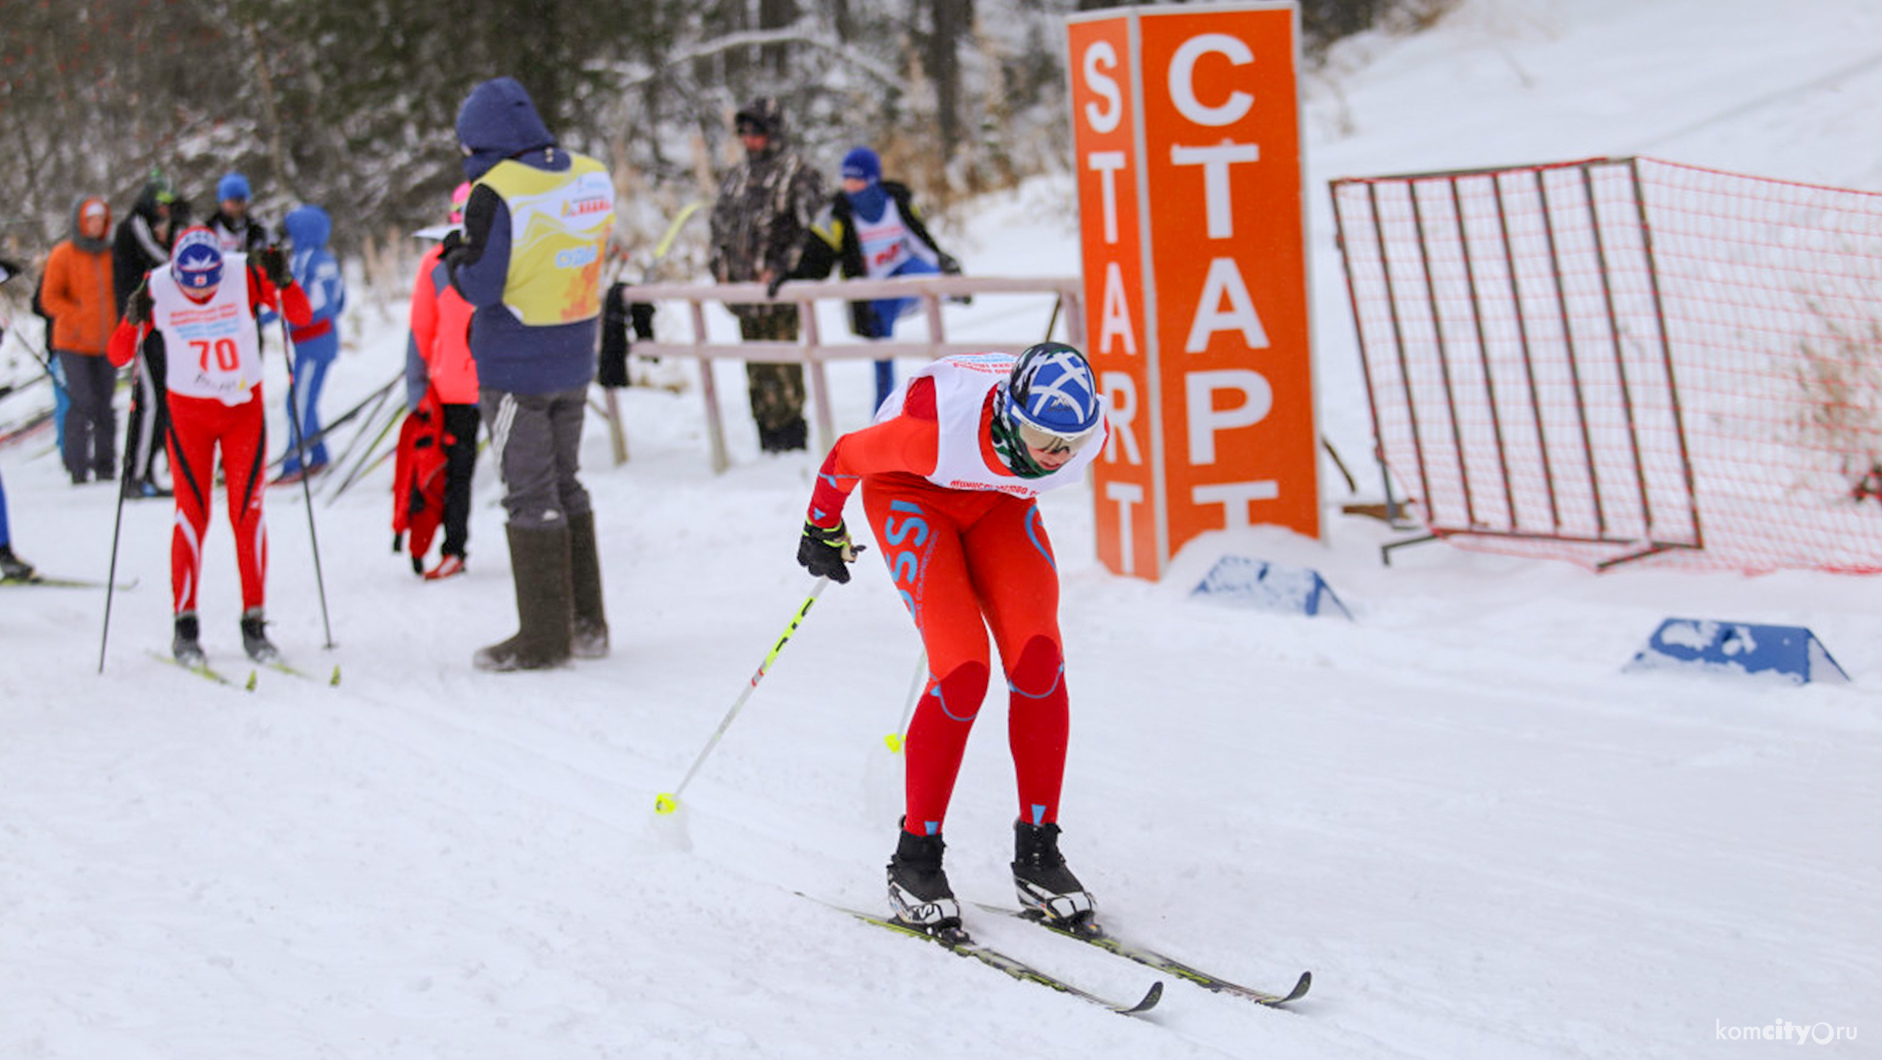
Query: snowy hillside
[[1485, 840]]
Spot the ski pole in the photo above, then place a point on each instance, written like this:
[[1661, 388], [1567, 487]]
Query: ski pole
[[668, 802], [44, 361], [899, 737], [307, 492], [117, 521]]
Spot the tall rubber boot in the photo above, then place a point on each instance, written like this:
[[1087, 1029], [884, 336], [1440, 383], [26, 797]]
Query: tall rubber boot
[[539, 565], [591, 619]]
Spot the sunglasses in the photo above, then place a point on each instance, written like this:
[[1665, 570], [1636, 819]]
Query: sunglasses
[[1051, 443], [746, 128]]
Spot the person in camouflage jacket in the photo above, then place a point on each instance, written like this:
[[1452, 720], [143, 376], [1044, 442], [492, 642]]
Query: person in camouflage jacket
[[764, 207]]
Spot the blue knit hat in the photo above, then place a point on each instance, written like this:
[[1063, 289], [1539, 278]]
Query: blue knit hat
[[232, 186], [862, 164]]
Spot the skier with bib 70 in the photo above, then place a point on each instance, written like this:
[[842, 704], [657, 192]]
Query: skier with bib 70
[[204, 304], [950, 471]]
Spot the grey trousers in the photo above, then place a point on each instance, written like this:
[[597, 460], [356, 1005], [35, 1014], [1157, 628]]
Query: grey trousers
[[536, 442], [91, 426]]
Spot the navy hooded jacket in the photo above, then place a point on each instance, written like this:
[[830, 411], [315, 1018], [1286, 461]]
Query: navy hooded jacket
[[499, 121]]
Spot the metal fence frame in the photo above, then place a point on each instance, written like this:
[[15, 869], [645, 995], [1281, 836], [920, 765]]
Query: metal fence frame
[[1449, 346]]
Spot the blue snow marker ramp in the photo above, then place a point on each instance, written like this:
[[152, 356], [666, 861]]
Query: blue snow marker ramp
[[1264, 586], [1738, 649]]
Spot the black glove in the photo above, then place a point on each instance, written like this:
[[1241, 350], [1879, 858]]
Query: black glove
[[827, 553], [274, 265], [641, 315], [771, 289], [452, 241], [951, 267], [137, 310]]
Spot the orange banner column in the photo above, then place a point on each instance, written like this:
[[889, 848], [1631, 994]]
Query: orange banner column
[[1186, 124]]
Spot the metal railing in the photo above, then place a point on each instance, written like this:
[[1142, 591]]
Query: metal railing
[[813, 352]]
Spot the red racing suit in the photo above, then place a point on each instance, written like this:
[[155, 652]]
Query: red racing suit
[[214, 377], [962, 538]]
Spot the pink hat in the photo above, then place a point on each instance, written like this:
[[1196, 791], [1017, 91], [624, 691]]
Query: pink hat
[[459, 196]]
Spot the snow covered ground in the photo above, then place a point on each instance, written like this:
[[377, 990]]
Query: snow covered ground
[[1483, 838]]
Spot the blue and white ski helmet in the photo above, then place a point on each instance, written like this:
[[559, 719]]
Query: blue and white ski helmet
[[1050, 400], [196, 261]]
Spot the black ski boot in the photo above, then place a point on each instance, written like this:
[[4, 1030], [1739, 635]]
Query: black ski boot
[[255, 639], [185, 646], [918, 886], [1044, 884], [12, 567]]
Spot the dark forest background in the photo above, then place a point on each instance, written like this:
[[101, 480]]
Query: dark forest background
[[350, 103]]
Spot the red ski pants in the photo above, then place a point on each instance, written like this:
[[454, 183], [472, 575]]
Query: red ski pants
[[967, 562], [198, 426]]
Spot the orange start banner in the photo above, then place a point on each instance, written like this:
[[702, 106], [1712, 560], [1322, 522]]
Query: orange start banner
[[1193, 224]]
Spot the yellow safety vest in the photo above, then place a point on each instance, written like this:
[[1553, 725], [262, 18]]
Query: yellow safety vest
[[559, 226]]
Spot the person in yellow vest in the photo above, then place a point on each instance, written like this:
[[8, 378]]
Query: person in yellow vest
[[529, 261]]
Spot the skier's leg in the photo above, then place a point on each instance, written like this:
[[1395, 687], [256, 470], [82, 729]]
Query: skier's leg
[[1011, 560], [921, 544], [311, 361], [191, 443], [244, 448]]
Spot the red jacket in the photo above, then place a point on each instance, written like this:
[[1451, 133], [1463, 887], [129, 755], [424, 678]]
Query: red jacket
[[440, 322]]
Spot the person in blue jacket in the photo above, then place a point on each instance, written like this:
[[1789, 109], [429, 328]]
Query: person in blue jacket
[[317, 345], [529, 261]]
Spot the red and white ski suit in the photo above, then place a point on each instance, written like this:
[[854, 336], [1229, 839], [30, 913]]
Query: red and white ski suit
[[963, 540], [214, 379]]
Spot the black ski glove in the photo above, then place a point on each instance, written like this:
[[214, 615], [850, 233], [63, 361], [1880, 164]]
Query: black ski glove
[[452, 241], [771, 289], [274, 265], [640, 314], [827, 553], [137, 309], [951, 267]]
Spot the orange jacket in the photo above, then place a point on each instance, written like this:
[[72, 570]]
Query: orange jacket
[[77, 291]]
